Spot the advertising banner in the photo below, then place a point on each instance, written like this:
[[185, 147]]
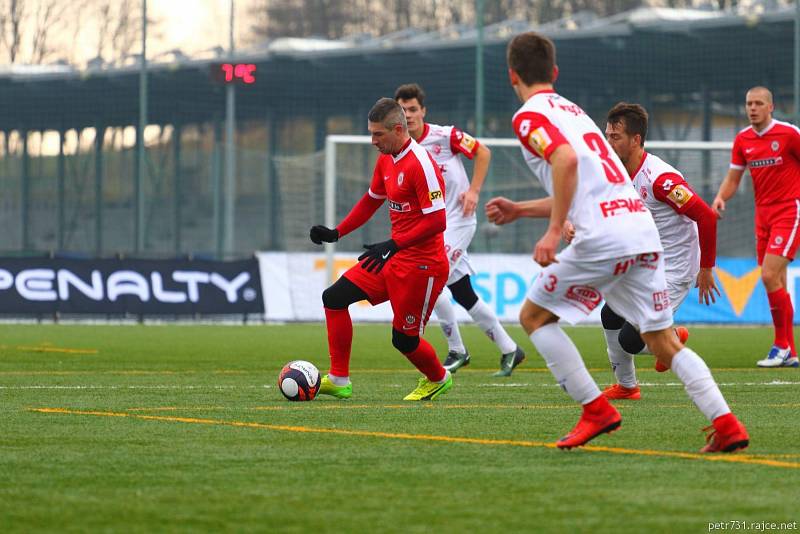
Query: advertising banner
[[293, 285], [129, 286]]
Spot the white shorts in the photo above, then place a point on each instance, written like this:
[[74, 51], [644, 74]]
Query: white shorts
[[456, 242], [678, 291], [634, 287]]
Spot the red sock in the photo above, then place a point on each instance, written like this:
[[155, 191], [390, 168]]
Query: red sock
[[599, 406], [424, 358], [777, 307], [790, 324], [340, 340]]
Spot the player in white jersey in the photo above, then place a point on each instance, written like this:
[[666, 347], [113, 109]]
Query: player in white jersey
[[446, 144], [616, 252], [688, 231]]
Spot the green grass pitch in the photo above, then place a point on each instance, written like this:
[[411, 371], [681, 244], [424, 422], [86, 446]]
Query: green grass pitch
[[182, 429]]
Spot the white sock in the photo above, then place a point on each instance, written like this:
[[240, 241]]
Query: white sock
[[564, 361], [446, 377], [339, 380], [482, 314], [621, 361], [700, 386], [446, 314]]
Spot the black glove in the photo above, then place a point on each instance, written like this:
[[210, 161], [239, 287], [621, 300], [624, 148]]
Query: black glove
[[377, 255], [320, 233]]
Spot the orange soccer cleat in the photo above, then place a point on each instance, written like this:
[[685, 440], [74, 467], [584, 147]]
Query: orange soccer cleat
[[683, 334], [598, 417], [619, 392], [727, 434]]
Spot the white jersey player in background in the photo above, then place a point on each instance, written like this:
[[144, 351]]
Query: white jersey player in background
[[616, 252], [446, 144], [688, 231]]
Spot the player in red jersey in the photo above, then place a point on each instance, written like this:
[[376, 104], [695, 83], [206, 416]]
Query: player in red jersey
[[770, 149], [409, 270], [616, 254], [446, 144]]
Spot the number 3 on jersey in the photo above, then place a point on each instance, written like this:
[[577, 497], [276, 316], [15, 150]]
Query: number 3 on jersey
[[599, 147]]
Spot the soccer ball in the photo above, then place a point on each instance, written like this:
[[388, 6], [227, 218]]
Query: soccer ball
[[299, 381]]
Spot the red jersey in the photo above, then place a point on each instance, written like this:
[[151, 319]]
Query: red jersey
[[413, 186], [773, 157]]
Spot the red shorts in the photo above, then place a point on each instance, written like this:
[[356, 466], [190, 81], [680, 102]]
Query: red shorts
[[411, 289], [778, 230]]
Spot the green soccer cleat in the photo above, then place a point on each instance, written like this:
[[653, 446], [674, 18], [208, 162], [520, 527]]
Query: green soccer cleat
[[456, 360], [326, 387], [509, 361], [427, 390]]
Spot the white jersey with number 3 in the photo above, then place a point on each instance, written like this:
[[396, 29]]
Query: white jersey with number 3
[[610, 218]]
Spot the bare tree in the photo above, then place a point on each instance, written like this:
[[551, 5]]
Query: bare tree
[[12, 14]]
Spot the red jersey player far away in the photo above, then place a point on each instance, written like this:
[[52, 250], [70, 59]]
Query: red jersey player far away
[[409, 269], [770, 149], [616, 253]]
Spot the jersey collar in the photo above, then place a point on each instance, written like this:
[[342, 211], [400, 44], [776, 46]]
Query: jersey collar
[[403, 151], [765, 130], [641, 163], [425, 130]]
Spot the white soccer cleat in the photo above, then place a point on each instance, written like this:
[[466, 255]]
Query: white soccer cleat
[[777, 357]]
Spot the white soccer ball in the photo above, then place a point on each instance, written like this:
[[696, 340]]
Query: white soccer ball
[[299, 380]]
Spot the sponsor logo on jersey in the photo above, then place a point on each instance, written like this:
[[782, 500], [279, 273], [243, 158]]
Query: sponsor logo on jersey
[[680, 195], [648, 260], [467, 143], [775, 146], [539, 141], [399, 206], [435, 195], [621, 206], [661, 300], [585, 297], [766, 162]]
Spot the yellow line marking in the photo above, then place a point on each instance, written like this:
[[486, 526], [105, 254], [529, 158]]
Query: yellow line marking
[[728, 458], [57, 349], [349, 406]]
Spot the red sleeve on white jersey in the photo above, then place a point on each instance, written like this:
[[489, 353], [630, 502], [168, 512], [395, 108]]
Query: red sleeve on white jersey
[[672, 189], [737, 154], [377, 189], [537, 134], [428, 182], [463, 143]]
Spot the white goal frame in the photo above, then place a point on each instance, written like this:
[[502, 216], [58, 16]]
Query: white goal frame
[[330, 170]]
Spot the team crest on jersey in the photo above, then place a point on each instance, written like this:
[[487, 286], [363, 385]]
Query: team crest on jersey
[[410, 319], [643, 192], [400, 178], [437, 149], [775, 146], [778, 240], [467, 142], [680, 195], [539, 140]]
